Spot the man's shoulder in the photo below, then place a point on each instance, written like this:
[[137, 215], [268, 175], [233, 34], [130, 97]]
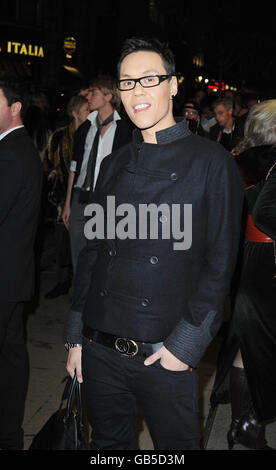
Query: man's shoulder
[[118, 155], [19, 149], [210, 157], [17, 142], [125, 123], [239, 125], [123, 134], [113, 163], [12, 136], [207, 148], [125, 128], [213, 162], [83, 129], [214, 130]]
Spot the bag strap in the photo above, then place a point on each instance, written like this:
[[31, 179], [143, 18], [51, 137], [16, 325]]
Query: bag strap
[[67, 388], [74, 393]]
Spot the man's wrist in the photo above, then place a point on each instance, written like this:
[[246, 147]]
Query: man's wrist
[[72, 345]]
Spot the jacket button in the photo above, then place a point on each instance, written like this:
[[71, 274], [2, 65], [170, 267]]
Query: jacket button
[[163, 219], [112, 252], [103, 293], [174, 176], [145, 302], [154, 260]]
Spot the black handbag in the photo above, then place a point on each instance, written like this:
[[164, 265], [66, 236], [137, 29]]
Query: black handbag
[[64, 429]]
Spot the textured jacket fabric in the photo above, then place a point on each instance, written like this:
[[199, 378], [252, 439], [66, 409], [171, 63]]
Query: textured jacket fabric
[[20, 192], [144, 289]]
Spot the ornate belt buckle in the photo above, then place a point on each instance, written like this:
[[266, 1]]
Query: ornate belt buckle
[[126, 346]]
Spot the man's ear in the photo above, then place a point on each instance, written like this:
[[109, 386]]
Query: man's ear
[[16, 108], [108, 97], [174, 86]]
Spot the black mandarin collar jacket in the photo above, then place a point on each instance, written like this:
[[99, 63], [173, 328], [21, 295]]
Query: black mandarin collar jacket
[[144, 289]]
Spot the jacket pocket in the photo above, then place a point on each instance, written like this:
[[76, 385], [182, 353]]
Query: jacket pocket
[[138, 301]]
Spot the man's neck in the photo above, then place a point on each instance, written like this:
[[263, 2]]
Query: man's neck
[[104, 112], [10, 128], [149, 135], [229, 125]]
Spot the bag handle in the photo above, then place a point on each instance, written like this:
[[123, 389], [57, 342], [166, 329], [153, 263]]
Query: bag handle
[[74, 392]]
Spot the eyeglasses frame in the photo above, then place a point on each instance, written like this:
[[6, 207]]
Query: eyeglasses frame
[[161, 78]]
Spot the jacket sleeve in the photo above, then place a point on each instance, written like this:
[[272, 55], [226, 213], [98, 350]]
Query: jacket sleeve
[[224, 200], [78, 146], [10, 185], [264, 213], [73, 325]]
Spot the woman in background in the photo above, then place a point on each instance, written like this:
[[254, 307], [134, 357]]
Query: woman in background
[[56, 165], [246, 364]]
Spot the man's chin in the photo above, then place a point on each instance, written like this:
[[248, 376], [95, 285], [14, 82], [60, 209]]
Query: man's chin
[[142, 124]]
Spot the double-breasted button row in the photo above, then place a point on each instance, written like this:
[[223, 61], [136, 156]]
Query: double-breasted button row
[[103, 293], [144, 302], [163, 219], [174, 176], [153, 259]]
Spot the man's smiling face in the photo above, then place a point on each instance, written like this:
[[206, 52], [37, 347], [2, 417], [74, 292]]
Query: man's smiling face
[[150, 109]]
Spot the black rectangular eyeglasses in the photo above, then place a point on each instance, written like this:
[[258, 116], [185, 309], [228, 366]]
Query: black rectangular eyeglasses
[[146, 82]]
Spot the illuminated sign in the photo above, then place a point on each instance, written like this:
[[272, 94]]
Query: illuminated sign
[[69, 45], [24, 49]]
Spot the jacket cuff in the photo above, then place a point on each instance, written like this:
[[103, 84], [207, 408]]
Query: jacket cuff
[[188, 342], [72, 331]]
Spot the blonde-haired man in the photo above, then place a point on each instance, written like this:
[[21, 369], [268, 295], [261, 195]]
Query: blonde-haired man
[[102, 132]]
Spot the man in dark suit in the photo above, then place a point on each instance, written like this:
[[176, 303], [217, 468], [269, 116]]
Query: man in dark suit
[[89, 151], [20, 187]]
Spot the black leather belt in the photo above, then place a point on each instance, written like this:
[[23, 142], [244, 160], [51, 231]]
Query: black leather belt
[[126, 346], [83, 196]]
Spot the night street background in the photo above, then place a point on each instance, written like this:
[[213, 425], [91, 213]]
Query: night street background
[[228, 42], [56, 47]]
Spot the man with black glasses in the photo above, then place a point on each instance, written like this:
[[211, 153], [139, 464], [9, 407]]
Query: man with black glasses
[[146, 307]]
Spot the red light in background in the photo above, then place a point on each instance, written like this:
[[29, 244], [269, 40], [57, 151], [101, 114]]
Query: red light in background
[[215, 86]]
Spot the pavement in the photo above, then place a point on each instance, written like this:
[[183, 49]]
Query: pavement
[[47, 356]]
